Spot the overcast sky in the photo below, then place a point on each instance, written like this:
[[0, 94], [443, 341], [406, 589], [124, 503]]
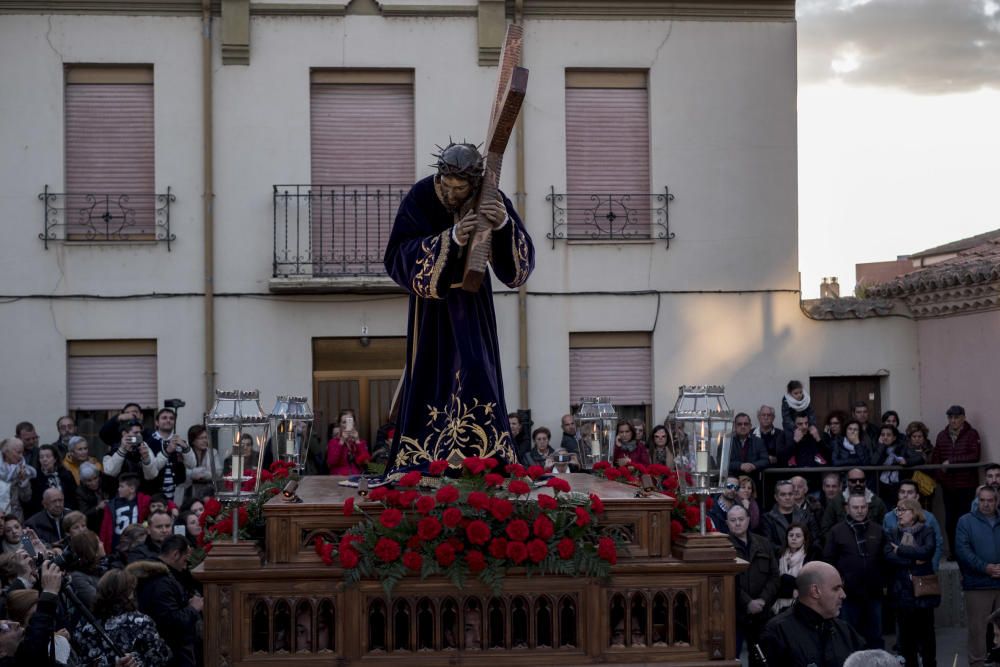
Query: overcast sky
[[899, 149]]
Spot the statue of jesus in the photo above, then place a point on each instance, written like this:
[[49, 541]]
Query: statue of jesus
[[451, 404]]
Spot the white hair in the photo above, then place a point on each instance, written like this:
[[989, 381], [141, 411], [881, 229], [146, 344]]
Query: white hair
[[871, 658]]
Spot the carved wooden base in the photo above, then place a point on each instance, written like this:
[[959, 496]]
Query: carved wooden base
[[695, 547], [233, 556]]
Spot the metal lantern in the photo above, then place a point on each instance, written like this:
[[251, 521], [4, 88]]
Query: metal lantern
[[706, 419], [596, 422], [236, 426], [291, 426]]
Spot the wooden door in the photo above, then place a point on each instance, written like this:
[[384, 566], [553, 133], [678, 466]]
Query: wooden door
[[840, 393]]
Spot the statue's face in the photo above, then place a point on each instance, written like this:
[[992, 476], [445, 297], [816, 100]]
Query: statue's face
[[454, 191]]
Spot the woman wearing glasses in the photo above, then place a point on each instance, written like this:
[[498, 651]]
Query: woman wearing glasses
[[909, 551]]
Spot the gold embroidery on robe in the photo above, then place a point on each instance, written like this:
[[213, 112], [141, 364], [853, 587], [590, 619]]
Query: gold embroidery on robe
[[458, 430], [432, 262], [520, 250]]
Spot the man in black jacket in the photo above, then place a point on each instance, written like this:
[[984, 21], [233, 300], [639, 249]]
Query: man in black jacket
[[747, 453], [47, 523], [162, 597], [775, 523], [756, 586], [809, 632], [856, 548]]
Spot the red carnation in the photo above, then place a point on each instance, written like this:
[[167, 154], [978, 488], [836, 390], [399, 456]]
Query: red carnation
[[457, 544], [582, 516], [378, 493], [326, 554], [392, 497], [212, 506], [317, 544], [517, 552], [566, 548], [444, 554], [474, 465], [641, 468], [414, 542], [692, 515], [391, 518], [476, 561], [437, 468], [518, 488], [558, 484], [425, 504], [547, 502], [515, 469], [428, 528], [602, 465], [659, 470], [501, 509], [348, 539], [451, 517], [478, 500], [224, 526], [348, 558], [387, 550], [537, 550], [498, 547], [596, 504], [518, 530], [543, 527], [606, 550], [411, 478], [447, 494], [676, 528], [612, 474], [413, 561], [274, 491], [534, 472], [493, 479], [478, 532], [490, 463], [406, 498]]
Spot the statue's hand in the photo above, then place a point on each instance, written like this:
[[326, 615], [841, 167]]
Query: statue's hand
[[465, 228], [494, 211]]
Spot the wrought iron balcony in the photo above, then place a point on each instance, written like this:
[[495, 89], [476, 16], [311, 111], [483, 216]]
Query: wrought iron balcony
[[610, 217], [329, 231], [106, 217]]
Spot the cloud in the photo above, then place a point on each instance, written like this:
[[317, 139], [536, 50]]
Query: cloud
[[921, 46]]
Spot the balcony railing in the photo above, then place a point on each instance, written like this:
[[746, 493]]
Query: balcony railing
[[610, 217], [333, 230], [106, 217]]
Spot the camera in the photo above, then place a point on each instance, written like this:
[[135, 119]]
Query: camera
[[174, 403], [133, 439]]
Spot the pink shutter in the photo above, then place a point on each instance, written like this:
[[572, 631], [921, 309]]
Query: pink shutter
[[109, 155], [607, 154], [362, 143], [108, 383], [622, 373]]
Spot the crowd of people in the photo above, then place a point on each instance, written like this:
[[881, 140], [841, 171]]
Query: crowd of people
[[101, 545], [95, 552]]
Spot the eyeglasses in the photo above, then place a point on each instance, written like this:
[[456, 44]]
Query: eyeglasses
[[732, 487], [900, 510], [856, 480]]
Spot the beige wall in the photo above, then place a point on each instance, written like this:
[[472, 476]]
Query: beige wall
[[723, 138], [960, 364]]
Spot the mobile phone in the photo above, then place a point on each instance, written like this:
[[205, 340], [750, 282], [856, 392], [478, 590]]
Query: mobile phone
[[349, 422], [28, 546]]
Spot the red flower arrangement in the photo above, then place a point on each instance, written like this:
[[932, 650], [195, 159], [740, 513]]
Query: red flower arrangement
[[478, 525], [686, 515]]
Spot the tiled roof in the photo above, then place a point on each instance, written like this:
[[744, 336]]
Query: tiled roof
[[980, 264], [958, 246]]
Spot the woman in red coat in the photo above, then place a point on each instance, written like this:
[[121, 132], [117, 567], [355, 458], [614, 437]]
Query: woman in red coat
[[346, 454], [627, 448]]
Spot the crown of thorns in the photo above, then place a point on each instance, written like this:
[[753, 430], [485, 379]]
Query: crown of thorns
[[461, 160]]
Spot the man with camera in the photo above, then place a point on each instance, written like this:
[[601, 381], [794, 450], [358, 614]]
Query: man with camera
[[172, 455], [131, 455]]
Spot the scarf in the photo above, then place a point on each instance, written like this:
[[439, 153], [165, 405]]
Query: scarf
[[790, 564], [906, 538], [629, 446], [797, 405], [860, 529], [889, 476]]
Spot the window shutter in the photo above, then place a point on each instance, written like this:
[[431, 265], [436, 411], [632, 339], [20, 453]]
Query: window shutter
[[622, 373], [105, 375], [110, 152], [607, 152], [362, 143]]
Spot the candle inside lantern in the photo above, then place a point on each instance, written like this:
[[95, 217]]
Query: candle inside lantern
[[701, 453], [238, 466], [290, 439]]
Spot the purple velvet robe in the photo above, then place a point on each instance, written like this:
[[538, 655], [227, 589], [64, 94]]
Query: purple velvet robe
[[452, 402]]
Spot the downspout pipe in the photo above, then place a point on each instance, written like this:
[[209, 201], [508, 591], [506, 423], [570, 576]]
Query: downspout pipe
[[208, 200], [522, 291]]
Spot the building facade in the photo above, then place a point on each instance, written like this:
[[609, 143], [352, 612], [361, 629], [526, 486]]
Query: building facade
[[176, 224]]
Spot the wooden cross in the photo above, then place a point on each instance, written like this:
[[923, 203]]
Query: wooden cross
[[512, 82]]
